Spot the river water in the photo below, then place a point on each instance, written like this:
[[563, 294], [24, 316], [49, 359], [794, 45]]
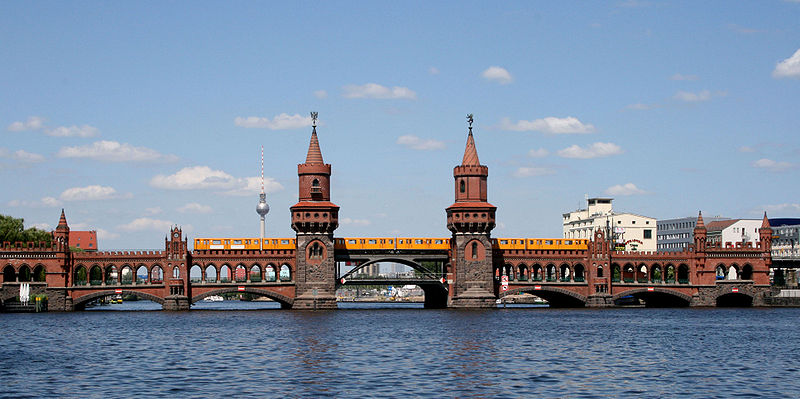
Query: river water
[[372, 350]]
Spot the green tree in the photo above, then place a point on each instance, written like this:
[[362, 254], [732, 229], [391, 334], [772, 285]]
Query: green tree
[[13, 230]]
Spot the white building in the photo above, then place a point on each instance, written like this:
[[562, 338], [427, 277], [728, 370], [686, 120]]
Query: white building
[[632, 232], [733, 231]]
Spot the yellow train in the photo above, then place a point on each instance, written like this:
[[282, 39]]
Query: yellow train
[[384, 243], [540, 243]]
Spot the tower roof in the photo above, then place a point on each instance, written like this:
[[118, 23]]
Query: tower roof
[[314, 155], [62, 221], [470, 153], [765, 223], [700, 223]]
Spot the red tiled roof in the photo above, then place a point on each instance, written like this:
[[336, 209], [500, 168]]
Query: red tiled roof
[[85, 240], [720, 224]]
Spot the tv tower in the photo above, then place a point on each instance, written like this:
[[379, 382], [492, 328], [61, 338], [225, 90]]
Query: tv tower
[[262, 209]]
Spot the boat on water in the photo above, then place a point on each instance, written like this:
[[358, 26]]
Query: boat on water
[[214, 298]]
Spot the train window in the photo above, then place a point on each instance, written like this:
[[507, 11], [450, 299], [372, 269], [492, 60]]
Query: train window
[[383, 241], [373, 241], [530, 242], [417, 241], [391, 241], [237, 242], [247, 242], [351, 241], [439, 241], [363, 241], [568, 242], [548, 242], [284, 241], [216, 242], [503, 242]]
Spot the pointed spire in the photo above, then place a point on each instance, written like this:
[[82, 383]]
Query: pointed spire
[[63, 220], [700, 223], [470, 153], [314, 155], [765, 223]]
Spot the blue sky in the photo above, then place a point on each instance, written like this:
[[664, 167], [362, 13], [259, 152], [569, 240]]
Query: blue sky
[[134, 116]]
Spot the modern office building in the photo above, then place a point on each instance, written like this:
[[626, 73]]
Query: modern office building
[[631, 232], [675, 235]]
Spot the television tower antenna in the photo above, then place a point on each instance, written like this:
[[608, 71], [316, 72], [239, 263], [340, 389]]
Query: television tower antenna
[[262, 209]]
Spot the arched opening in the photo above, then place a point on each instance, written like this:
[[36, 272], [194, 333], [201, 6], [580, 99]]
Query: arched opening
[[269, 273], [240, 273], [176, 272], [462, 187], [600, 271], [747, 272], [683, 274], [24, 274], [508, 271], [628, 273], [655, 274], [616, 273], [474, 248], [641, 274], [126, 275], [522, 272], [734, 300], [210, 275], [255, 274], [39, 274], [196, 273], [129, 300], [395, 283], [579, 273], [652, 299], [537, 272], [9, 275], [112, 276], [733, 272], [80, 277], [669, 274], [142, 275], [96, 275], [286, 273], [551, 272], [565, 274], [225, 274], [553, 297], [720, 272], [157, 275]]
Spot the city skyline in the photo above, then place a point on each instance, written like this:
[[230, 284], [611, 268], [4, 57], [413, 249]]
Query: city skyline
[[135, 118]]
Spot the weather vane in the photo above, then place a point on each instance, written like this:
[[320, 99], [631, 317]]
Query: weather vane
[[314, 118], [469, 119]]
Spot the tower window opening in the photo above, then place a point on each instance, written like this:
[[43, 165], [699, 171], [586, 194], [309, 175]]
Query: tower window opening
[[462, 186], [474, 250]]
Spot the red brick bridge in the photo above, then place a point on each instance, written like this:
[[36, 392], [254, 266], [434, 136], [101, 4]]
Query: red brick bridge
[[473, 273]]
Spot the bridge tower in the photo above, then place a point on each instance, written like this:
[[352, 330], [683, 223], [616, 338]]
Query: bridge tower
[[471, 219], [177, 290], [314, 218]]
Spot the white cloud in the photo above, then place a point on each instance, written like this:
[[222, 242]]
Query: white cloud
[[679, 76], [538, 153], [596, 150], [355, 222], [113, 151], [690, 97], [73, 131], [45, 202], [781, 208], [91, 193], [417, 143], [550, 124], [772, 166], [33, 123], [374, 90], [153, 211], [103, 234], [529, 171], [143, 224], [283, 121], [194, 207], [624, 189], [497, 74], [21, 156], [433, 71], [203, 177], [42, 226], [788, 68], [321, 94]]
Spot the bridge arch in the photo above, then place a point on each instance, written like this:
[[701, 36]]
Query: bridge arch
[[734, 300], [657, 297], [285, 301], [80, 303], [557, 297], [406, 262]]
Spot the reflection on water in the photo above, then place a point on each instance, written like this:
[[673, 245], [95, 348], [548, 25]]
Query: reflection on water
[[410, 352]]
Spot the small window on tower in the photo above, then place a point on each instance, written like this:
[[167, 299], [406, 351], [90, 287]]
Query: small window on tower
[[474, 250], [463, 187]]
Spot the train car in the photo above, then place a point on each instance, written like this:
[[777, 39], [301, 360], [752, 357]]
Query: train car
[[379, 243], [535, 244], [244, 243]]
